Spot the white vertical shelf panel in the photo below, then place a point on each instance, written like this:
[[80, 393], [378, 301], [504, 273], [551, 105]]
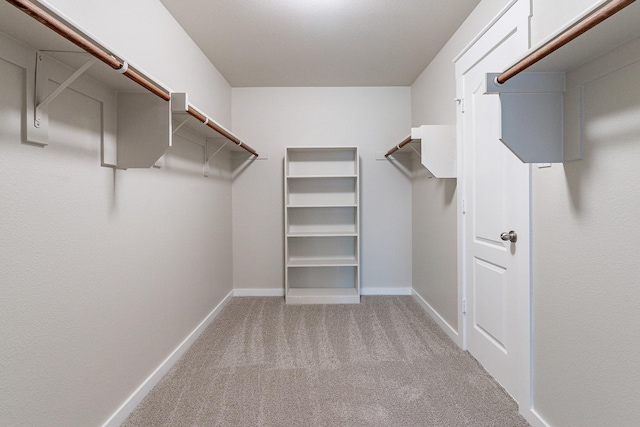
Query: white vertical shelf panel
[[531, 108], [136, 124], [322, 242], [437, 148], [144, 129], [541, 120]]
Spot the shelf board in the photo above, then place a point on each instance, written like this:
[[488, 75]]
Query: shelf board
[[319, 176], [323, 234], [324, 206], [542, 109], [186, 116], [437, 149], [29, 32], [190, 124], [136, 114], [323, 149], [323, 296], [609, 34], [322, 262]]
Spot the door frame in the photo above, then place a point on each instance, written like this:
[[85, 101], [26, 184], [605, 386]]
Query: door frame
[[514, 17]]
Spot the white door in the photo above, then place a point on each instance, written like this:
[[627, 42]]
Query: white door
[[496, 194]]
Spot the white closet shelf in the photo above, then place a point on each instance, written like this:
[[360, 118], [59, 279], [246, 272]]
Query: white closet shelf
[[408, 140], [541, 118], [184, 115], [328, 205], [323, 296], [322, 225], [436, 146], [320, 176], [320, 221], [322, 262], [606, 35], [324, 205], [322, 234], [137, 110], [437, 149]]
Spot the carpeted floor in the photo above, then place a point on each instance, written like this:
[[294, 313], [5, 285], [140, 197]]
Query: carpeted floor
[[383, 362]]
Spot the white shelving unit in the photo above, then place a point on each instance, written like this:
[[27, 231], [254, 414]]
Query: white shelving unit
[[541, 112], [436, 146], [322, 227], [437, 149], [139, 114]]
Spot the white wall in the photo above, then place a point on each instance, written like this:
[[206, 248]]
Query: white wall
[[371, 118], [586, 270], [102, 274]]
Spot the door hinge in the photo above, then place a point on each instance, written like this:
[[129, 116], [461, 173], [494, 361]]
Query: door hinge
[[464, 307], [464, 209], [460, 102]]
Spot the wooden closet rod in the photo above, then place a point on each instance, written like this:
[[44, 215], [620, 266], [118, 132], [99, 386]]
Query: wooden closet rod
[[220, 130], [581, 27], [59, 27], [399, 146], [75, 38]]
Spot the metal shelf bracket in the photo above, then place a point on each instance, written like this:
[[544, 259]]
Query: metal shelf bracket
[[43, 98], [208, 157]]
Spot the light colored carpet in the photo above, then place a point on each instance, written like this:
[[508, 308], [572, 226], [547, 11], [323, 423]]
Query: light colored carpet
[[383, 362]]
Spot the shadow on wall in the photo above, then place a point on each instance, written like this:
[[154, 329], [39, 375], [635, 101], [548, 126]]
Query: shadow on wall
[[402, 162], [450, 186], [611, 111], [445, 186], [240, 161]]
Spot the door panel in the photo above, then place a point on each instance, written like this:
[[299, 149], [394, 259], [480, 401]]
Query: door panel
[[490, 286], [491, 279], [496, 194], [488, 177]]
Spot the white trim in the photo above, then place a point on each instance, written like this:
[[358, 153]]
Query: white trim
[[484, 30], [136, 397], [267, 292], [446, 327], [533, 418], [386, 291], [279, 292], [57, 13], [579, 17]]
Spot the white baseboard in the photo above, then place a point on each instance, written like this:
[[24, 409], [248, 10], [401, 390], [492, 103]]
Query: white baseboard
[[279, 292], [385, 291], [446, 327], [268, 292], [533, 418], [136, 397]]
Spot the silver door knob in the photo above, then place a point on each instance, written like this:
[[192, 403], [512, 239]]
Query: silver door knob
[[511, 236]]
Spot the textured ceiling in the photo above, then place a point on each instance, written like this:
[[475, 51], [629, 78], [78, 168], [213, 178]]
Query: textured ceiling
[[320, 42]]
